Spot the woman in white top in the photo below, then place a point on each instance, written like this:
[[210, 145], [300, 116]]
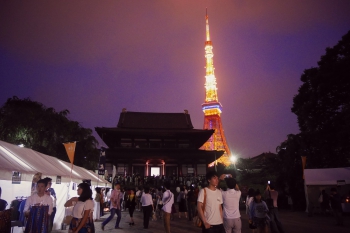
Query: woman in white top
[[147, 206], [248, 200], [97, 204], [82, 210]]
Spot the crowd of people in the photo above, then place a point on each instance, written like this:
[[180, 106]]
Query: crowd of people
[[217, 209]]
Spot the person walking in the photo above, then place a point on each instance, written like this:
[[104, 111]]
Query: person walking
[[131, 204], [191, 203], [159, 202], [248, 200], [336, 206], [97, 206], [82, 221], [182, 202], [51, 192], [210, 199], [116, 196], [102, 202], [258, 213], [168, 201], [231, 197], [275, 222], [147, 207]]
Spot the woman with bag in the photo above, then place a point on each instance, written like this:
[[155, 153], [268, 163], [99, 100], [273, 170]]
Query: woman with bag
[[82, 221], [258, 217], [130, 204]]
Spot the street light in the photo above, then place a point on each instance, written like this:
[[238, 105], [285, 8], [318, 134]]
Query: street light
[[233, 159]]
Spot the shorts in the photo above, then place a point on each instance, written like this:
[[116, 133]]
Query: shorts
[[260, 222]]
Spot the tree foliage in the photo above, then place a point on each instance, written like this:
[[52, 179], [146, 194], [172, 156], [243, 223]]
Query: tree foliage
[[322, 106], [287, 168], [23, 121]]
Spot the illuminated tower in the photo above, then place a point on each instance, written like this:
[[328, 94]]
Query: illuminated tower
[[212, 108]]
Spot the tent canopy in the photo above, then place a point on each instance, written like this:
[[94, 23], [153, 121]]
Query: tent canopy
[[28, 161], [327, 176]]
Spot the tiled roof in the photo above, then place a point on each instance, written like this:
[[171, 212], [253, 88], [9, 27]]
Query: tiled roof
[[151, 120]]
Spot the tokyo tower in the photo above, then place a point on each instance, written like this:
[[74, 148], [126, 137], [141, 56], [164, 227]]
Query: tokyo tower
[[212, 108]]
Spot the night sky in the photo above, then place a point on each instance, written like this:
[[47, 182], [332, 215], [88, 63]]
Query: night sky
[[96, 57]]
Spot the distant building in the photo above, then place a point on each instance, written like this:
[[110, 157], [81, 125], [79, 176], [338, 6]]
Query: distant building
[[156, 144]]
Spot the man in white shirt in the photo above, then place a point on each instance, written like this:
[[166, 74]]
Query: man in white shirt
[[168, 201], [51, 192], [39, 198], [212, 197], [231, 197]]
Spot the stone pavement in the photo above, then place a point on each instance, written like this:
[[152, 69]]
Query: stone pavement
[[293, 222]]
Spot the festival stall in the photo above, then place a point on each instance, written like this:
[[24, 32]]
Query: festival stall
[[317, 180], [19, 165]]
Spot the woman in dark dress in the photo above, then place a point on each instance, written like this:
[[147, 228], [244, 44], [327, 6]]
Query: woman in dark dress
[[182, 202], [130, 204]]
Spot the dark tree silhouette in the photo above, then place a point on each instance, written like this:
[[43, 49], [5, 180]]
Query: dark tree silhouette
[[23, 121], [323, 108]]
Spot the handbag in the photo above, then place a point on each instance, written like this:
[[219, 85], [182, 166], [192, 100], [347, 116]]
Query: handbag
[[154, 216], [89, 225], [269, 201], [197, 220]]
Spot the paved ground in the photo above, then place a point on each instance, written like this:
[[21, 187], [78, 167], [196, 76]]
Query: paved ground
[[293, 222]]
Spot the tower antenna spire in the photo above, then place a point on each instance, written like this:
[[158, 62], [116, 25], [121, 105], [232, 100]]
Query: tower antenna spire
[[207, 24]]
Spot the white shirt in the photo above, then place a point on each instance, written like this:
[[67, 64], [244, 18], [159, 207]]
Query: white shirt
[[80, 207], [212, 205], [138, 193], [35, 199], [231, 199], [168, 201], [146, 199]]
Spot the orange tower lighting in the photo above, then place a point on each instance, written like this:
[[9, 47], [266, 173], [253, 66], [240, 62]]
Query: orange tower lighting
[[212, 108]]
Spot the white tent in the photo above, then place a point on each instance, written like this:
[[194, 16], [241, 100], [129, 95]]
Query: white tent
[[327, 176], [29, 162], [317, 180]]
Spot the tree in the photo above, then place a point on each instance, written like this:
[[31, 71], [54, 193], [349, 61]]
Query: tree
[[30, 123], [322, 106], [287, 168]]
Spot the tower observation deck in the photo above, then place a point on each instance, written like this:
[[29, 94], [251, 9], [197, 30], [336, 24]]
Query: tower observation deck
[[212, 108]]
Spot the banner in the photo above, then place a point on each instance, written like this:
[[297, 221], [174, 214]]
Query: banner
[[102, 162], [70, 149], [303, 161]]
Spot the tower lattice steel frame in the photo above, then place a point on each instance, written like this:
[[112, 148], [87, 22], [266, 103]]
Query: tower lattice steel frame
[[212, 108]]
